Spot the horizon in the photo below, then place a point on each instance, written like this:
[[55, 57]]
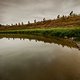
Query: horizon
[[33, 20], [17, 23]]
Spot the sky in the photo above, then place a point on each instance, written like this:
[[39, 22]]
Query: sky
[[14, 11]]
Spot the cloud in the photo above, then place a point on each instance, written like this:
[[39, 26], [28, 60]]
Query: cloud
[[12, 11]]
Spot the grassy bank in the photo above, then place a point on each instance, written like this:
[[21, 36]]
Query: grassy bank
[[59, 32]]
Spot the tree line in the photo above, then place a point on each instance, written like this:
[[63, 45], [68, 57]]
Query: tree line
[[55, 22]]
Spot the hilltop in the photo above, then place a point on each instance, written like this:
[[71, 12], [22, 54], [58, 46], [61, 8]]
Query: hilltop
[[72, 20]]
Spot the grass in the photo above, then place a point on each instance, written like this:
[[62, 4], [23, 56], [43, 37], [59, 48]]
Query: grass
[[59, 32]]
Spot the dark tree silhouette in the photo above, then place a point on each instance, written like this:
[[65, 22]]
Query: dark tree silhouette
[[0, 25], [22, 23], [63, 17], [16, 24], [28, 22], [35, 21], [71, 13], [44, 19], [19, 24], [58, 16]]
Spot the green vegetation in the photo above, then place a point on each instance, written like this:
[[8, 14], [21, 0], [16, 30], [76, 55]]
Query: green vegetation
[[59, 32]]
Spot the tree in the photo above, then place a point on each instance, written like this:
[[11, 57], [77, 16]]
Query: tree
[[0, 25], [19, 24], [35, 21], [16, 24], [28, 22], [63, 16], [11, 24], [44, 19], [71, 13], [22, 23], [58, 16]]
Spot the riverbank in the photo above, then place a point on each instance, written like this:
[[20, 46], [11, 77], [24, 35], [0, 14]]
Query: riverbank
[[59, 32]]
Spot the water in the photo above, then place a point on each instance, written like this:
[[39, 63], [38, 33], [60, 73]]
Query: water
[[35, 59]]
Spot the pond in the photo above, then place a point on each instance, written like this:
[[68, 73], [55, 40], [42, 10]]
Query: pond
[[38, 59]]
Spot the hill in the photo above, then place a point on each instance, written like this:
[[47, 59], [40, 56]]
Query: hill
[[73, 20]]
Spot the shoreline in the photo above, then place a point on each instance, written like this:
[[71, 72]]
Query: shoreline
[[58, 32]]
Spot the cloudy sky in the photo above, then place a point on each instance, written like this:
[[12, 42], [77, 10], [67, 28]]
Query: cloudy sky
[[13, 11]]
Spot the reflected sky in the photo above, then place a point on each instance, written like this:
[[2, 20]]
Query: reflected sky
[[31, 60]]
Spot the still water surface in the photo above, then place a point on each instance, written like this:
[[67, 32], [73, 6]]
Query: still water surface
[[36, 60]]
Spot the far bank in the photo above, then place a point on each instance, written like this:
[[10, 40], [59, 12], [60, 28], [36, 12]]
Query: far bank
[[58, 32]]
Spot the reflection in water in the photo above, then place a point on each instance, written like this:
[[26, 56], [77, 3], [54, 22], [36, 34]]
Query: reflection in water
[[31, 60], [56, 40]]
